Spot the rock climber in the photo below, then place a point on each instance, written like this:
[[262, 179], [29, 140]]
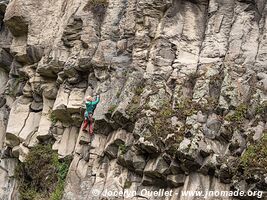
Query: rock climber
[[88, 115]]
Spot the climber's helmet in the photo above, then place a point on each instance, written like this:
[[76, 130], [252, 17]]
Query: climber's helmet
[[89, 98]]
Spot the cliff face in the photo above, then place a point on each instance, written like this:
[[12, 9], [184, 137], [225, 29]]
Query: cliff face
[[183, 88]]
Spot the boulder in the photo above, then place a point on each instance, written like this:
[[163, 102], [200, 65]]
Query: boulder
[[228, 170], [60, 105], [68, 102], [205, 149], [102, 125], [84, 138], [149, 181], [3, 5], [111, 151], [7, 182], [212, 127], [210, 164], [34, 53], [176, 180], [53, 63], [17, 119], [75, 100], [126, 159], [30, 127], [50, 90], [68, 141], [15, 20], [175, 168], [72, 31], [3, 122], [5, 59], [15, 151], [258, 131], [36, 106], [139, 163], [156, 168], [132, 161], [104, 54], [45, 124], [82, 169], [23, 152], [189, 155], [119, 137], [147, 146], [27, 90], [98, 144], [115, 140]]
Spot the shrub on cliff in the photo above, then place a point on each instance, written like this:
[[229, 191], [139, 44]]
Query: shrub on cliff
[[42, 175], [97, 7]]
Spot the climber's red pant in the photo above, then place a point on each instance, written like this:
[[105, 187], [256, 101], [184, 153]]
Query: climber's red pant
[[90, 121]]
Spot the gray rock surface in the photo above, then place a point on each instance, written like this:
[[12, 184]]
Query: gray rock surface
[[183, 88]]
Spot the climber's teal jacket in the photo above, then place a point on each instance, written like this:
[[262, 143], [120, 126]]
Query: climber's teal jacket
[[90, 106]]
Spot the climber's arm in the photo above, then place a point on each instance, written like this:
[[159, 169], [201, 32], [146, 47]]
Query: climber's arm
[[97, 100]]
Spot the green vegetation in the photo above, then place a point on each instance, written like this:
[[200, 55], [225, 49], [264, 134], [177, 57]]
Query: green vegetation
[[53, 117], [162, 123], [123, 148], [178, 138], [239, 114], [112, 108], [211, 104], [186, 108], [42, 175], [261, 109], [134, 108], [127, 184], [139, 90], [255, 156]]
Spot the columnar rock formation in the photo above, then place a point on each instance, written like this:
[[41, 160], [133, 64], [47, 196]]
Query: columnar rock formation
[[183, 87]]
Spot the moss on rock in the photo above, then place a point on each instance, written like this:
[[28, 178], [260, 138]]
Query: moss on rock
[[261, 110], [134, 108], [42, 175], [123, 148], [188, 108], [255, 157], [53, 117], [239, 114], [162, 121]]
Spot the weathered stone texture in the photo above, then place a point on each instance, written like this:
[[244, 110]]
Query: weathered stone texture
[[183, 88]]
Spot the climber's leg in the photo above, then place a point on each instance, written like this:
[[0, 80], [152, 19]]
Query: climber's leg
[[85, 124], [91, 124]]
